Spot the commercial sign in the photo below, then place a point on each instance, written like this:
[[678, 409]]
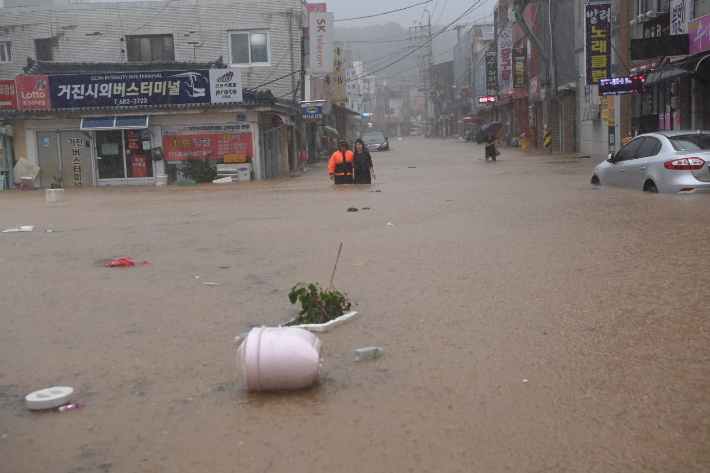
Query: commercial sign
[[505, 51], [491, 73], [621, 85], [129, 89], [534, 88], [490, 99], [481, 78], [317, 8], [699, 30], [8, 95], [598, 44], [679, 16], [33, 92], [320, 33], [351, 83], [312, 113], [337, 78], [232, 143], [520, 68]]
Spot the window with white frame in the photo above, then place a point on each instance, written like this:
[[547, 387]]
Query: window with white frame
[[5, 52], [248, 48]]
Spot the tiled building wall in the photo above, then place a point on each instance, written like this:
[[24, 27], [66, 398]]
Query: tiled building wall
[[207, 22]]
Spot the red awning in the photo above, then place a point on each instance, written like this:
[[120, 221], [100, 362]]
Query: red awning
[[472, 119]]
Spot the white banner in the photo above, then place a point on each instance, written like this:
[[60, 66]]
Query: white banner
[[226, 85], [321, 42], [505, 54]]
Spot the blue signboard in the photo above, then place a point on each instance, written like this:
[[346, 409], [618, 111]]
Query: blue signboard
[[312, 113]]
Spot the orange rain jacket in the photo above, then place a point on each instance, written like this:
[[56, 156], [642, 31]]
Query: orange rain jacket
[[337, 157]]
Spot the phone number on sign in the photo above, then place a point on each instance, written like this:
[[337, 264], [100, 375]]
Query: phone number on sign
[[135, 101]]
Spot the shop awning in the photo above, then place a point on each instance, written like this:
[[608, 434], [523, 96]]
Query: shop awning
[[115, 123], [675, 69], [472, 119]]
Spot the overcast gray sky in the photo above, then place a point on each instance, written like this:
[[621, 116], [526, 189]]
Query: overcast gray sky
[[442, 12]]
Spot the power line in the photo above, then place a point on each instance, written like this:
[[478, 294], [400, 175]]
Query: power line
[[385, 13]]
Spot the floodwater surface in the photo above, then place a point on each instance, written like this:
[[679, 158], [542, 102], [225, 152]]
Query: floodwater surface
[[528, 323]]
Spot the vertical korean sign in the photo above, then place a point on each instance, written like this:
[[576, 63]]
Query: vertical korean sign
[[598, 46], [351, 82], [520, 67], [320, 32], [679, 19], [491, 73], [8, 95], [505, 51], [337, 78]]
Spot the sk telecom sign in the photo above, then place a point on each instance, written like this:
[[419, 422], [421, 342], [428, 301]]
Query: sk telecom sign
[[320, 31]]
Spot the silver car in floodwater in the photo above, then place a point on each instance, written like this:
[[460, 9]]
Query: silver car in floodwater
[[675, 162]]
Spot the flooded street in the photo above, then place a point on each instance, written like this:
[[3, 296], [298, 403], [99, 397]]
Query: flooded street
[[530, 322]]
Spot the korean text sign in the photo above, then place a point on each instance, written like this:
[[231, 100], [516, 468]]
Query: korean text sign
[[598, 41], [491, 73], [505, 53], [312, 113], [320, 31], [33, 92], [198, 142], [520, 67], [8, 95], [699, 30]]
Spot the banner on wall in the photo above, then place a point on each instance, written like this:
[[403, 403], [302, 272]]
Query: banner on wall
[[520, 68], [491, 73], [8, 95], [129, 89], [232, 143], [598, 44], [505, 50], [679, 16], [320, 33], [337, 78], [699, 32]]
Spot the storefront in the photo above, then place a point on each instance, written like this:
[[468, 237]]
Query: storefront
[[84, 130]]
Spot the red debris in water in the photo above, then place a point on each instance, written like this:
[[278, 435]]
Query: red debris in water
[[123, 263]]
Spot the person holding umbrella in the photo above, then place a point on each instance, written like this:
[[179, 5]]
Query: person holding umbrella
[[488, 134]]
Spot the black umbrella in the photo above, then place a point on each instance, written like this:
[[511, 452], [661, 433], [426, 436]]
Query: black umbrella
[[492, 127]]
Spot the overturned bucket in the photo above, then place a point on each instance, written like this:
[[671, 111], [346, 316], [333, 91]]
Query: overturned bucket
[[276, 358]]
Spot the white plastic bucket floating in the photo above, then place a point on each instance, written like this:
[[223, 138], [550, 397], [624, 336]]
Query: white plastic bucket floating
[[161, 179], [278, 358], [54, 195], [244, 172]]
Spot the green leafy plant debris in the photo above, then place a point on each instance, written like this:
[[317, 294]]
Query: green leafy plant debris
[[199, 169], [317, 306]]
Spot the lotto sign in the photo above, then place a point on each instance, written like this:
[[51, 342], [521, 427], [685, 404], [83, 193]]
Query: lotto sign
[[8, 95], [217, 141], [598, 44], [33, 92], [505, 45]]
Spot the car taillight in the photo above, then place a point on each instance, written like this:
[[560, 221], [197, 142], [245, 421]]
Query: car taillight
[[684, 164]]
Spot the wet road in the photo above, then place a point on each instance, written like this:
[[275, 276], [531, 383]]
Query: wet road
[[530, 322]]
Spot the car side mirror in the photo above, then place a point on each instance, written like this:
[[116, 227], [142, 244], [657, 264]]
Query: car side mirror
[[611, 157]]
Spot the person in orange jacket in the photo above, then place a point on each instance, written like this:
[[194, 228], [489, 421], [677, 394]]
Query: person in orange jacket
[[340, 166]]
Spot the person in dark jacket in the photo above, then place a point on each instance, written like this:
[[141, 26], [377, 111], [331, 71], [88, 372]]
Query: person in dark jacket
[[363, 164]]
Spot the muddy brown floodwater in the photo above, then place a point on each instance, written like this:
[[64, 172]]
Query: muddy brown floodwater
[[530, 322]]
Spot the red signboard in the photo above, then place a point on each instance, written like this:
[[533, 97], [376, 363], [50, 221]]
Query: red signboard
[[33, 92], [489, 99], [139, 165], [199, 145], [8, 95]]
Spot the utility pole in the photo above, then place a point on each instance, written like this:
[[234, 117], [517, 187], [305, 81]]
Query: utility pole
[[547, 89]]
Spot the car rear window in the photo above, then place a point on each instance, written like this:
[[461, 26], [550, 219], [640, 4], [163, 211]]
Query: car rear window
[[692, 142], [373, 136]]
